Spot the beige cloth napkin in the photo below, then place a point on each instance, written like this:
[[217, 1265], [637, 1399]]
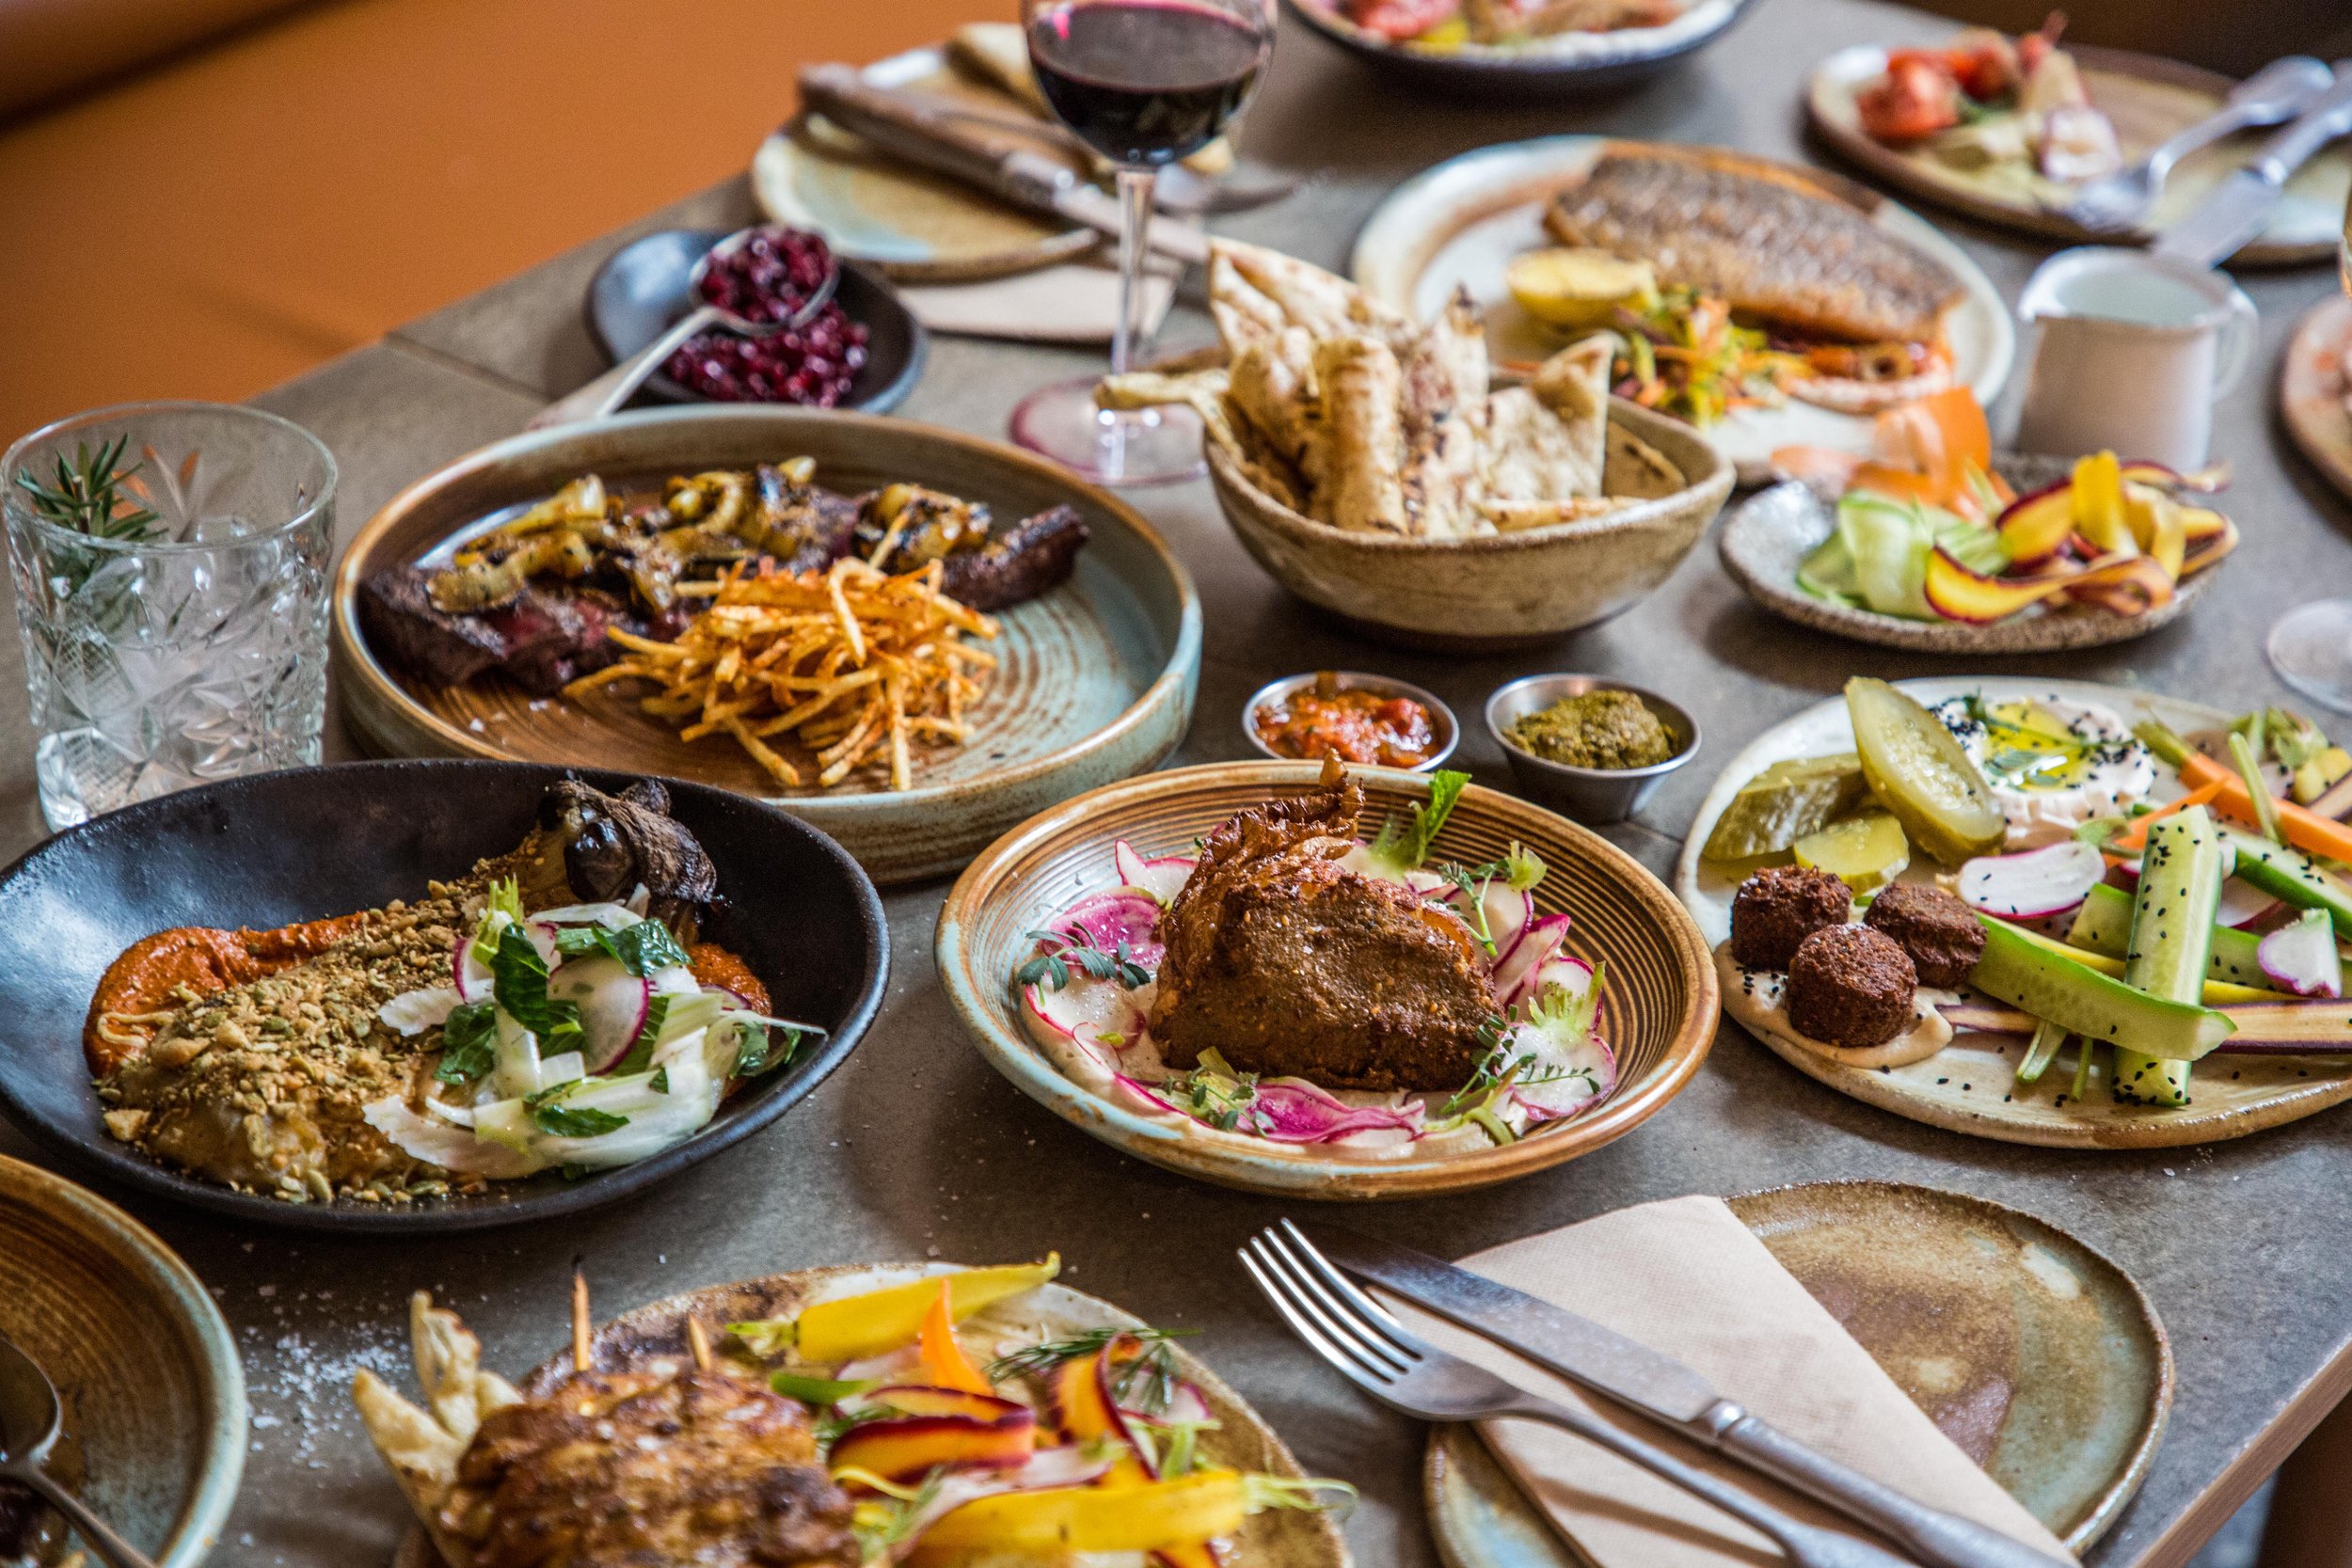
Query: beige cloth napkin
[[1686, 1278], [1076, 302]]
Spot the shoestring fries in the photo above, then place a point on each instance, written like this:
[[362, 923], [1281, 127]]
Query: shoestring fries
[[851, 662]]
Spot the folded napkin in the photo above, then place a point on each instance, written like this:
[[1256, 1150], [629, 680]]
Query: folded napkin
[[1686, 1278], [1076, 302]]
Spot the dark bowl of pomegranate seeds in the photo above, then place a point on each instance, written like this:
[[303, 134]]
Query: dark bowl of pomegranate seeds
[[863, 350]]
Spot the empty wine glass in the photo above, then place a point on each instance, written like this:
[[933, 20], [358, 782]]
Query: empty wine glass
[[2310, 646], [1143, 83]]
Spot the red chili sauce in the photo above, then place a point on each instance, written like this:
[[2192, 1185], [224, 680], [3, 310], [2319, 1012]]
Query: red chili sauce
[[1356, 726]]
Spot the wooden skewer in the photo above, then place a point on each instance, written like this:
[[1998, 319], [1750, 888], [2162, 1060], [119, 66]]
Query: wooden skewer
[[580, 1318], [698, 1342]]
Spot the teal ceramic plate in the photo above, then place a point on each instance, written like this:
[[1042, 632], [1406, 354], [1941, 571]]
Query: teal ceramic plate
[[2035, 1354], [154, 1401]]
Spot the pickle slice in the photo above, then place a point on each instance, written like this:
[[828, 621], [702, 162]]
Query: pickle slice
[[1865, 852], [1920, 774], [1784, 803]]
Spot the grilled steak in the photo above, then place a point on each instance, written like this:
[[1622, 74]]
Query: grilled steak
[[1033, 556], [1780, 248], [1291, 965], [397, 613], [553, 637]]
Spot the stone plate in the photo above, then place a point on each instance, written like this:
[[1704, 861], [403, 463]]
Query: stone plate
[[2039, 1356], [146, 1368], [644, 287], [2313, 387], [2149, 99], [1968, 1086], [916, 225], [271, 849], [1276, 1538], [1460, 224], [1096, 678], [1766, 537], [1567, 66], [1657, 1012]]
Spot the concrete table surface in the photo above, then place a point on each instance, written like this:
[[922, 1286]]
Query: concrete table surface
[[916, 1149]]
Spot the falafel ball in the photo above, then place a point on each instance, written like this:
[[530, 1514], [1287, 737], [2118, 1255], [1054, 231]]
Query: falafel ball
[[1849, 986], [1941, 934], [1779, 906]]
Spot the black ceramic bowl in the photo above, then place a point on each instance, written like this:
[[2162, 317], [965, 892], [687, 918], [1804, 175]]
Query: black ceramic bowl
[[277, 847], [1611, 62], [643, 288]]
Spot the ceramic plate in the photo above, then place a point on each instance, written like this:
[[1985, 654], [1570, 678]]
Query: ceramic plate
[[2315, 389], [271, 849], [645, 286], [1656, 1010], [1766, 537], [2149, 99], [1241, 1438], [1096, 678], [1968, 1086], [1569, 65], [917, 227], [1463, 221], [146, 1369], [2038, 1358]]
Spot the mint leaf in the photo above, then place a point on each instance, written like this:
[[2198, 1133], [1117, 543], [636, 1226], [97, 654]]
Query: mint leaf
[[1445, 787], [640, 1053], [756, 1050], [519, 978], [564, 1122], [469, 1043], [644, 947], [574, 941]]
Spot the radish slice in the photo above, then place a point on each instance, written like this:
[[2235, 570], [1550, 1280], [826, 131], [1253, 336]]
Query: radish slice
[[1122, 914], [1533, 949], [2034, 884], [2243, 905], [1587, 1075], [1510, 912], [412, 1012], [1561, 973], [1187, 1406], [2302, 959], [1149, 1100], [468, 977], [1293, 1111], [1162, 878], [611, 1001]]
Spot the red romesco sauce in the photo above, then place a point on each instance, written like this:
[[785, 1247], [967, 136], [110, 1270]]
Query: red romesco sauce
[[1351, 725]]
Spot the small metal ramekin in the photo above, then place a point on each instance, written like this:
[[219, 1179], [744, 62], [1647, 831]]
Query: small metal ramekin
[[1447, 733], [1590, 795]]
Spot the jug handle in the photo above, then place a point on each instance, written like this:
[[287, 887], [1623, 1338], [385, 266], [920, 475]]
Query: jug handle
[[2234, 350]]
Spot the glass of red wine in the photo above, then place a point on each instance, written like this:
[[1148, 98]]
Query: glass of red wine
[[1144, 83]]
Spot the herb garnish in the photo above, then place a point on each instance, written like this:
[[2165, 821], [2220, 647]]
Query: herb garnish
[[566, 1121], [1155, 1366], [1078, 946], [519, 978], [1499, 1068], [1406, 848], [640, 949], [86, 495], [469, 1043], [756, 1050]]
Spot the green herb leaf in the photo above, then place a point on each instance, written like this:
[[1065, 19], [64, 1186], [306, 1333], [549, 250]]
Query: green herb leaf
[[821, 1391], [1156, 1363], [640, 1053], [519, 978], [757, 1049], [1445, 787], [469, 1043], [86, 495], [566, 1121]]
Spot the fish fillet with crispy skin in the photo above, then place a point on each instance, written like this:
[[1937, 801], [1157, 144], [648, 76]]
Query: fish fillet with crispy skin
[[1775, 247]]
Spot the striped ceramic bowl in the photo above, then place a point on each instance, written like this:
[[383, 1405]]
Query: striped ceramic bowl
[[1658, 1010]]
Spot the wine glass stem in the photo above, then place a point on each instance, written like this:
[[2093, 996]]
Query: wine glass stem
[[1135, 211]]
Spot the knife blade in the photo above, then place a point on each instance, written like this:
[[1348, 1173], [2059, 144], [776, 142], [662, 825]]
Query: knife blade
[[1576, 1347], [1004, 165], [2235, 211], [1658, 1385]]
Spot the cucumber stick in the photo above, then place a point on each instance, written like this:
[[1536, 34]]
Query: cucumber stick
[[2293, 877], [2037, 974], [2173, 922], [2104, 925]]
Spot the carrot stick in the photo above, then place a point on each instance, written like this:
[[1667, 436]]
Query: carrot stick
[[2304, 828], [2136, 836]]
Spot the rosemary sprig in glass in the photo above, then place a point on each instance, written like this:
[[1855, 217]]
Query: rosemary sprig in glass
[[86, 494]]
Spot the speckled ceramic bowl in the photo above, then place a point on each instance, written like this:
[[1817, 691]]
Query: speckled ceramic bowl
[[1442, 727], [1656, 1010], [1491, 594], [155, 1402]]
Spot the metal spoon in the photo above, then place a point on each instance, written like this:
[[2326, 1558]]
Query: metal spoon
[[615, 387], [31, 1421], [2273, 95]]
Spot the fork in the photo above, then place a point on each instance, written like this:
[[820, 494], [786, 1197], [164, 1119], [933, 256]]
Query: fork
[[2273, 95], [1365, 1344]]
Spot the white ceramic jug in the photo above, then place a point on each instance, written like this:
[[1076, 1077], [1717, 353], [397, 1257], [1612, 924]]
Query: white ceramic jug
[[2134, 351]]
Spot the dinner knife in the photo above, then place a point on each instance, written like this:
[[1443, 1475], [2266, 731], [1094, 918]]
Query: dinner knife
[[1659, 1386], [1004, 165], [2235, 211]]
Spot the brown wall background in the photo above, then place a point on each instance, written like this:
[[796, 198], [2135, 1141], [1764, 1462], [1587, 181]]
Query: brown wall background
[[243, 211]]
